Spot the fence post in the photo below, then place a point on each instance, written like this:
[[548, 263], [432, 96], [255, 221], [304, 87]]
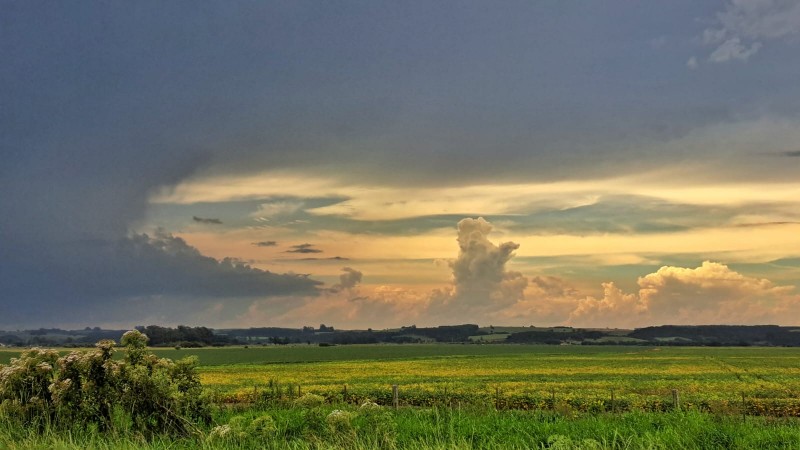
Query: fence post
[[298, 391], [744, 408], [553, 398], [613, 406], [676, 399], [395, 396], [344, 393]]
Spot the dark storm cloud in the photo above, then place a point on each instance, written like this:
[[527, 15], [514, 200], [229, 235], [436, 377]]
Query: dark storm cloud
[[793, 154], [174, 87], [100, 277], [206, 220], [304, 248], [102, 104], [265, 244]]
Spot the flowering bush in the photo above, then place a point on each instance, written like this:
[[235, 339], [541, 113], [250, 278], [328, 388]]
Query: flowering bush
[[263, 426], [242, 429], [220, 433], [339, 420], [86, 387], [369, 406]]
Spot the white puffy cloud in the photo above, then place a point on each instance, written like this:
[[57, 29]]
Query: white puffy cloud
[[733, 49], [481, 281], [713, 293], [480, 265], [709, 294], [742, 25], [614, 309]]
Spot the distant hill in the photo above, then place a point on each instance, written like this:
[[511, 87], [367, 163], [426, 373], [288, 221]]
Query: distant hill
[[728, 335]]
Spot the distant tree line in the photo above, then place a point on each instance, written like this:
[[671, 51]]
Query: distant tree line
[[184, 336], [719, 335], [553, 337], [328, 335]]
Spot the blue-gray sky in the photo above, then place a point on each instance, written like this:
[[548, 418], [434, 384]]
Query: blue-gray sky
[[619, 144]]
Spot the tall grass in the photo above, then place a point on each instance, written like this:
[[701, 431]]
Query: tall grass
[[441, 428]]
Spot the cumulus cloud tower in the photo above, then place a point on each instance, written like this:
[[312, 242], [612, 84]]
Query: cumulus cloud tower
[[479, 272]]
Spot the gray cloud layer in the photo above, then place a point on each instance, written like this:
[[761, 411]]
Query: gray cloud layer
[[103, 103], [95, 280]]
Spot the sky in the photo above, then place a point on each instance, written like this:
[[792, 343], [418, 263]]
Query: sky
[[382, 164]]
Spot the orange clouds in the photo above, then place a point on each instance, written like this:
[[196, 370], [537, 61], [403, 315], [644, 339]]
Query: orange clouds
[[484, 291], [709, 294]]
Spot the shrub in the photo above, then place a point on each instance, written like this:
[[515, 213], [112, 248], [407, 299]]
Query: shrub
[[310, 400], [263, 427], [89, 388], [339, 420]]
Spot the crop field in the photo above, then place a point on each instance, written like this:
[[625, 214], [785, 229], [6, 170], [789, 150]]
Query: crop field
[[759, 381], [473, 397]]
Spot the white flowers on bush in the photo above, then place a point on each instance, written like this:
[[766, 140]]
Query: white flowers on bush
[[263, 426], [369, 406], [242, 428], [220, 432], [81, 386], [338, 419]]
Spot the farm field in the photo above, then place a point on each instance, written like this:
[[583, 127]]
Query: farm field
[[478, 396], [760, 380]]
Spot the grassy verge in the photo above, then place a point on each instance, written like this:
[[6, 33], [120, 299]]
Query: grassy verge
[[436, 428]]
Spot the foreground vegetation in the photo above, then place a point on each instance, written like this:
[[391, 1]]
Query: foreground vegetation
[[450, 396], [334, 426]]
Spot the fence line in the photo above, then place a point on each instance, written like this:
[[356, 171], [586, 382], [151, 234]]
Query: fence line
[[614, 401]]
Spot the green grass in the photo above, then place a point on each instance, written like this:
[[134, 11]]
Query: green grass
[[436, 428]]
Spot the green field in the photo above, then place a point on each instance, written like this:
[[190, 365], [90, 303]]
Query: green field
[[510, 376], [485, 396], [518, 377]]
